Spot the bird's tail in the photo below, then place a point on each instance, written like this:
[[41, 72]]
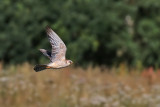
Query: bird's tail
[[38, 68]]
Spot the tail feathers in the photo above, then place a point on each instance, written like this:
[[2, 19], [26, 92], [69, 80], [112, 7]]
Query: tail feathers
[[38, 68]]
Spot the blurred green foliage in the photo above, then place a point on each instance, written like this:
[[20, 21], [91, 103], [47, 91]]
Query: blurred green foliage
[[95, 31]]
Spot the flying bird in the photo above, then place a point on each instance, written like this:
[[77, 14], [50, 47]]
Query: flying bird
[[57, 54]]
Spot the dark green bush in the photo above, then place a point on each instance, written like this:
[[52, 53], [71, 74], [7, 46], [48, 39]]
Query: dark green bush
[[95, 31]]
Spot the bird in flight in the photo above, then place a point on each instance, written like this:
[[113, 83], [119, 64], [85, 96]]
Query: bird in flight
[[57, 54]]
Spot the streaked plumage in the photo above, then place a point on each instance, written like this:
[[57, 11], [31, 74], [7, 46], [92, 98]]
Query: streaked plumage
[[57, 54]]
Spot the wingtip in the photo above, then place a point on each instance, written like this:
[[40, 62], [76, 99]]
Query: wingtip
[[48, 27], [41, 50]]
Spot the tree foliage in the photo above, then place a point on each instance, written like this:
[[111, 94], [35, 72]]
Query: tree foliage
[[95, 31]]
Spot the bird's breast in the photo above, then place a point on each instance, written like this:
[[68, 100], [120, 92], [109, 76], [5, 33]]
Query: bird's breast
[[57, 64]]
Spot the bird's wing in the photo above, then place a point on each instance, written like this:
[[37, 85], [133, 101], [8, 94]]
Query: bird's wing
[[58, 46], [46, 53]]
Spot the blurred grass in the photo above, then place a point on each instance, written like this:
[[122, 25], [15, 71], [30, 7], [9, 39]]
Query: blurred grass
[[20, 86]]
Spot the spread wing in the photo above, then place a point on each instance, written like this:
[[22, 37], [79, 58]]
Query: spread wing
[[58, 47], [46, 53]]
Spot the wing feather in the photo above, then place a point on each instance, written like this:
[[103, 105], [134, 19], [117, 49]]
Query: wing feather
[[46, 53], [58, 47]]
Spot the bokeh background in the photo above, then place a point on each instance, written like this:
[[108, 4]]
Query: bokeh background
[[115, 46]]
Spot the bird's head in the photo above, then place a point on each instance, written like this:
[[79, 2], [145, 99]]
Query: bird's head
[[69, 62]]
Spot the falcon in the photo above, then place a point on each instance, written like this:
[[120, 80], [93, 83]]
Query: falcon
[[57, 54]]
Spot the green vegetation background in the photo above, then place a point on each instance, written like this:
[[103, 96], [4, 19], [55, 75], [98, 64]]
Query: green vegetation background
[[95, 31]]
